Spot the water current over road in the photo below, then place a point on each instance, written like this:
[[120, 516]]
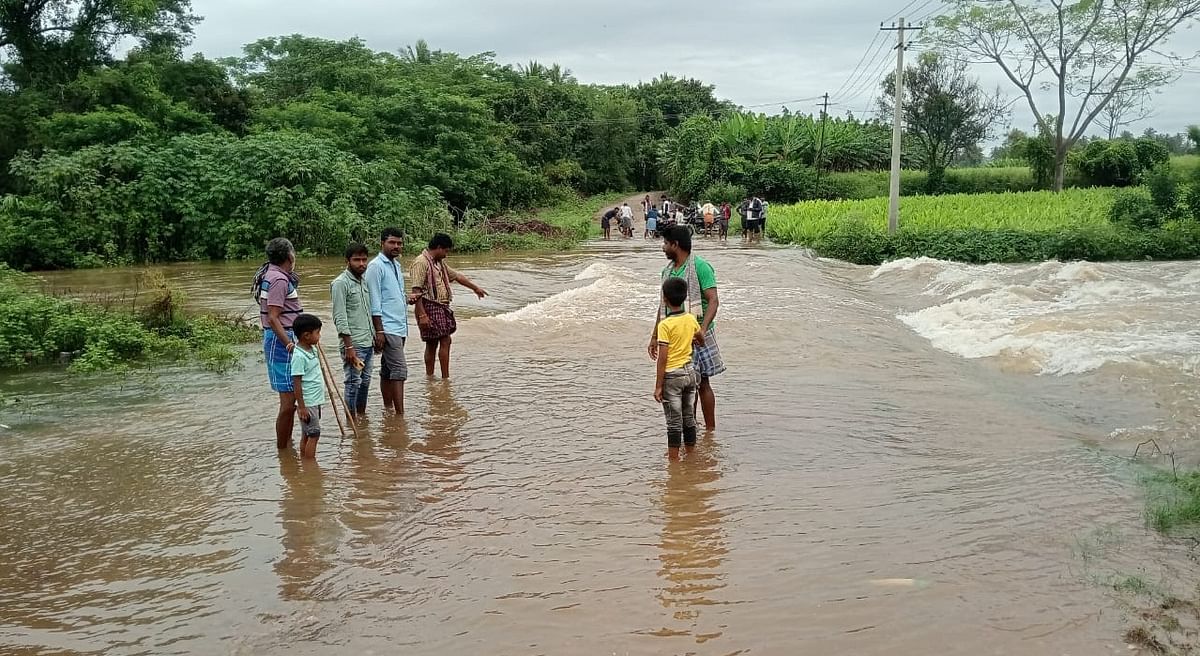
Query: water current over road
[[912, 459]]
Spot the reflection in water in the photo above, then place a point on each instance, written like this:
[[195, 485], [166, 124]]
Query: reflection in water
[[443, 425], [310, 534], [693, 543]]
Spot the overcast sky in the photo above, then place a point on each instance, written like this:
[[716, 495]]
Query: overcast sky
[[757, 53]]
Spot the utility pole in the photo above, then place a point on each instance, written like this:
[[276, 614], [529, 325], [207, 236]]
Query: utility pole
[[894, 195], [821, 142]]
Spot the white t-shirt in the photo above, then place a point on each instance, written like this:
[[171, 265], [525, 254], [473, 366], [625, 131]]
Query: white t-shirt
[[626, 212]]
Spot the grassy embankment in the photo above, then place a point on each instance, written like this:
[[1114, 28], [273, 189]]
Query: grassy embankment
[[37, 327], [1007, 227], [862, 185]]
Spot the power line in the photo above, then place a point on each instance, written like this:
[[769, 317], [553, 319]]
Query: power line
[[857, 66], [931, 13], [921, 7], [902, 10], [852, 86], [869, 81]]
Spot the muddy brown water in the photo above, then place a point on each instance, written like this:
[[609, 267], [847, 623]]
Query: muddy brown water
[[918, 458]]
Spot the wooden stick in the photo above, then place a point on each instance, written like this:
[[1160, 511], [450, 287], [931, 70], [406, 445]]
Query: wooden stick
[[338, 391], [330, 383]]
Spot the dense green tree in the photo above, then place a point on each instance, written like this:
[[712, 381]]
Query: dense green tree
[[53, 41], [946, 113], [1086, 52]]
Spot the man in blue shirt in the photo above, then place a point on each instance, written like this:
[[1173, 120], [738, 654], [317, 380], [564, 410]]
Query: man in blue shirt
[[389, 314]]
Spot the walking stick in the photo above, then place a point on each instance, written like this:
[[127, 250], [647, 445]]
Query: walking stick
[[337, 394]]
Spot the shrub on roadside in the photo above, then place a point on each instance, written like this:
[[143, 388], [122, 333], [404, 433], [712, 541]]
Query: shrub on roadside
[[1192, 198], [1163, 189], [1136, 209], [35, 328]]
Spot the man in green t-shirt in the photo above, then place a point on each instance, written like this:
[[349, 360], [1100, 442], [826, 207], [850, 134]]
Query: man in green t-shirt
[[702, 302]]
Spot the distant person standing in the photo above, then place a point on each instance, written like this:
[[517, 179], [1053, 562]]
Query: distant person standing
[[626, 220], [703, 302], [646, 206], [277, 290], [431, 278], [352, 319], [651, 222], [606, 221], [710, 216], [389, 317], [762, 220], [726, 214], [743, 210]]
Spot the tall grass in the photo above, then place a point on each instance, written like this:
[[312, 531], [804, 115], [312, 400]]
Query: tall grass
[[993, 178], [803, 223], [1009, 227]]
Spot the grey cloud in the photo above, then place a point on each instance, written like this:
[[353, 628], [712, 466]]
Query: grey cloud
[[753, 51]]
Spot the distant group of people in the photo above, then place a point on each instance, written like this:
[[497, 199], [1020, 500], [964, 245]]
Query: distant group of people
[[705, 219], [370, 314]]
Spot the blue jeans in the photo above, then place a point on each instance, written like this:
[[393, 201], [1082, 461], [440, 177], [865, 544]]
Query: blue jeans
[[358, 383]]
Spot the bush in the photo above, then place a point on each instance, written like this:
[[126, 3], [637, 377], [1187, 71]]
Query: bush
[[1192, 199], [783, 182], [1039, 153], [203, 197], [724, 192], [1112, 163], [854, 240], [1151, 153], [35, 328], [1136, 209], [1163, 189]]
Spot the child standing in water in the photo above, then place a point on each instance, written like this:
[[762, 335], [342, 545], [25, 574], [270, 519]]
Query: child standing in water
[[677, 382], [308, 381]]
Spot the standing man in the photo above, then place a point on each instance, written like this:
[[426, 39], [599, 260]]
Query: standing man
[[389, 317], [703, 302], [626, 220], [352, 318], [431, 278]]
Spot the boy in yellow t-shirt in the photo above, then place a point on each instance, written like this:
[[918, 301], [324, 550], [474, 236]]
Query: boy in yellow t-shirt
[[676, 383]]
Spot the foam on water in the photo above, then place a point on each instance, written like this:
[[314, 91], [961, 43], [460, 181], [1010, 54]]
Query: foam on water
[[1059, 318], [614, 293]]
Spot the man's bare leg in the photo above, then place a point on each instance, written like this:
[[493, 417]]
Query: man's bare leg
[[430, 356], [285, 421], [443, 357], [708, 403], [385, 388], [398, 396]]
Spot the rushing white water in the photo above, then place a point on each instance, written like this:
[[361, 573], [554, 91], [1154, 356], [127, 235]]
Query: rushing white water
[[1057, 318]]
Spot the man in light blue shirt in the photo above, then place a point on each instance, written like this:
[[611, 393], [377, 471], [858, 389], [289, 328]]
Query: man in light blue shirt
[[389, 314]]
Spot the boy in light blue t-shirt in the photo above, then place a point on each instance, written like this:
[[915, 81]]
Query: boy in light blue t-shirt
[[308, 382]]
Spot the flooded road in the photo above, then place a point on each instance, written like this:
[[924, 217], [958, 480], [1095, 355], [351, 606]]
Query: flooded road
[[917, 458]]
